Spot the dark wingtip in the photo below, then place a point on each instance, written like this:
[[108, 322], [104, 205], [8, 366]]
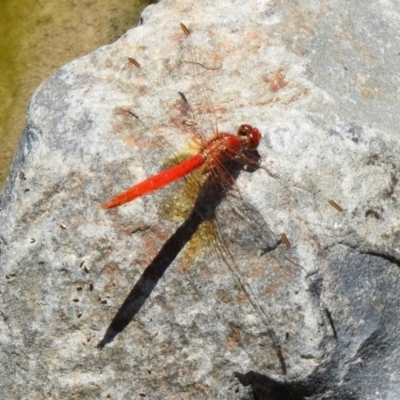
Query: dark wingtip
[[335, 205]]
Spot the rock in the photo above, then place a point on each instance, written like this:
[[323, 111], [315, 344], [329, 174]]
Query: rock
[[147, 300]]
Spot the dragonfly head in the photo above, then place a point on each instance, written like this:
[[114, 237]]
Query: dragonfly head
[[251, 136]]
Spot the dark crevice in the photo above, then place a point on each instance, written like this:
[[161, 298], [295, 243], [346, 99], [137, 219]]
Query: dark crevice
[[387, 257], [331, 323], [266, 388]]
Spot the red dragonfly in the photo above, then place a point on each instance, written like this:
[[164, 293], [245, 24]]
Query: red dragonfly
[[212, 157], [219, 156]]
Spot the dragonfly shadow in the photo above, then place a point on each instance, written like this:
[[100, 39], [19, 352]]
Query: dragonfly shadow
[[212, 192]]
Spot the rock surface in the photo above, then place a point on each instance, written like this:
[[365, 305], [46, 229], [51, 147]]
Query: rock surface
[[136, 301]]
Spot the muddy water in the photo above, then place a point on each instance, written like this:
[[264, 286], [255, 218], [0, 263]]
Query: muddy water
[[37, 37]]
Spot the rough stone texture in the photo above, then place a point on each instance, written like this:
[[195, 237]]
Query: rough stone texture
[[174, 316]]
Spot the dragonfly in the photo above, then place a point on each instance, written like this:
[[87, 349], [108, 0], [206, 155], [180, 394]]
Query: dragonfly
[[219, 158], [212, 157]]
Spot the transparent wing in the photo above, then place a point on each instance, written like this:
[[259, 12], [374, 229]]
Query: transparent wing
[[169, 115]]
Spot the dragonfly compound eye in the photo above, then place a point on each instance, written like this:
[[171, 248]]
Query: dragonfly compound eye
[[252, 134]]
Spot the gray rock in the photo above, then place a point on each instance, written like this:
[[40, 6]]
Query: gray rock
[[147, 299]]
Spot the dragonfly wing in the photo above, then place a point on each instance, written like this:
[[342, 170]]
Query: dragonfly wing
[[272, 288]]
